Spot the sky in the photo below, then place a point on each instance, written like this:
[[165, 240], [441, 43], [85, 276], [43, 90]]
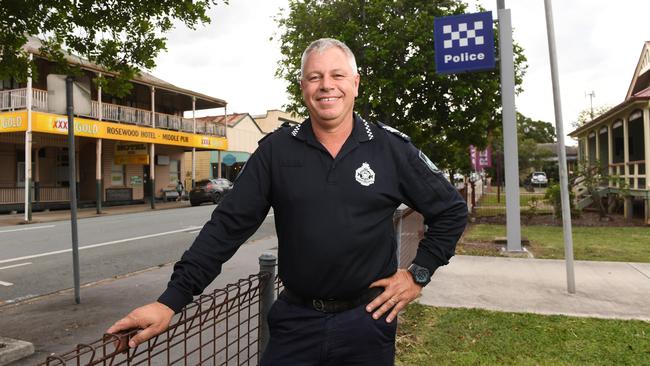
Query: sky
[[598, 45]]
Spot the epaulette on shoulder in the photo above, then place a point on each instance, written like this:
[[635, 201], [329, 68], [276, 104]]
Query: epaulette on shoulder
[[395, 131], [284, 125]]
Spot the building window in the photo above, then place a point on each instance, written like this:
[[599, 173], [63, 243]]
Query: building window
[[618, 143], [636, 145], [62, 171], [591, 142], [603, 145], [20, 168], [117, 175]]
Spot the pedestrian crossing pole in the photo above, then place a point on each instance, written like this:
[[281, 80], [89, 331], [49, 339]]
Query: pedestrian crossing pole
[[72, 186], [561, 151]]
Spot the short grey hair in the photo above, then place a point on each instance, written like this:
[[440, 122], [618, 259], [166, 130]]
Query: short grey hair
[[323, 44]]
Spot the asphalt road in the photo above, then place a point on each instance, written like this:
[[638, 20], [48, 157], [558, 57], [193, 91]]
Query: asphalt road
[[37, 260]]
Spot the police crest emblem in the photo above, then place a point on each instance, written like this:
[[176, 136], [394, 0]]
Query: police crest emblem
[[364, 175]]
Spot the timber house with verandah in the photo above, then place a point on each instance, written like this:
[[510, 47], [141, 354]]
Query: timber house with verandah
[[619, 141]]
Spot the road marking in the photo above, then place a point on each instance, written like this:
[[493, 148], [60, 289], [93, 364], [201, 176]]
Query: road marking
[[195, 231], [269, 215], [27, 228], [6, 284], [16, 265], [97, 245]]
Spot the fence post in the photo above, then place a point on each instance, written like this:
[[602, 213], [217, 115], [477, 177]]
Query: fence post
[[267, 265]]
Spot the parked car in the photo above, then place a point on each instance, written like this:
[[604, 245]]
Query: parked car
[[538, 178], [209, 190]]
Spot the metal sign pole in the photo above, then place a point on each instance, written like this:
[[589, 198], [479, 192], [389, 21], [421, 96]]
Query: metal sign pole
[[561, 152], [511, 153], [73, 187]]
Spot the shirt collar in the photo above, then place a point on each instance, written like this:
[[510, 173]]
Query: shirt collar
[[361, 130]]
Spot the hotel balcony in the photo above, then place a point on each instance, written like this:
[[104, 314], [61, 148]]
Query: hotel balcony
[[16, 99]]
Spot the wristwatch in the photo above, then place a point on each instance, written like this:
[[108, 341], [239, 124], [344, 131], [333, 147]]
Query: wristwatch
[[420, 274]]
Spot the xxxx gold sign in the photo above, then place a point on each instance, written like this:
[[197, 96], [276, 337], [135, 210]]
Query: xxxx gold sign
[[13, 121], [58, 124]]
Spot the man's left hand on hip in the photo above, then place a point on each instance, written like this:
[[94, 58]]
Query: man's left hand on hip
[[399, 290]]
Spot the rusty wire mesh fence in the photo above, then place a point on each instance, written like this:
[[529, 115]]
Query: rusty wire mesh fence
[[216, 329], [409, 230], [492, 203], [226, 327]]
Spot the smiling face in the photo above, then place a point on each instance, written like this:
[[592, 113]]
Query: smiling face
[[329, 86]]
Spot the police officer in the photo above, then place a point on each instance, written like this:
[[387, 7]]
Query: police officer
[[334, 182]]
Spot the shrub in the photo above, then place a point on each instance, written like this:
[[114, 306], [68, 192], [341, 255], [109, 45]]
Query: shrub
[[553, 196]]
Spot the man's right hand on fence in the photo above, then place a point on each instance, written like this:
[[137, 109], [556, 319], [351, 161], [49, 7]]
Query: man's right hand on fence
[[152, 318]]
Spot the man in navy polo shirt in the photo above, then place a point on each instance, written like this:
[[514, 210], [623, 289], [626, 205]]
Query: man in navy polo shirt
[[334, 183]]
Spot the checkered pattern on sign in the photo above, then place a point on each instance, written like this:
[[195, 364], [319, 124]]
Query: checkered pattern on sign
[[463, 35]]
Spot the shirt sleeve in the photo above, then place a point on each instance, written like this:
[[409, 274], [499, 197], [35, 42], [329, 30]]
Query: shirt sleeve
[[427, 191], [236, 218]]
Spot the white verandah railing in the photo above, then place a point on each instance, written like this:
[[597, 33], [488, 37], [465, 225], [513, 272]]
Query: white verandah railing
[[17, 99]]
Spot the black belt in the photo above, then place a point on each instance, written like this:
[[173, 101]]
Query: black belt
[[331, 306]]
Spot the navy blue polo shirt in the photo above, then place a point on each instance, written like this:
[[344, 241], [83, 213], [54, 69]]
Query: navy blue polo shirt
[[333, 216]]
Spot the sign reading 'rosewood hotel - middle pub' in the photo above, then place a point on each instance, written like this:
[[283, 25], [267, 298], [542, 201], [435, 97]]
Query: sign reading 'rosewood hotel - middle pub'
[[57, 124]]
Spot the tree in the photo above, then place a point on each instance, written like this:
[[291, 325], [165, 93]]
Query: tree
[[121, 36], [538, 131], [393, 43], [530, 134], [587, 115]]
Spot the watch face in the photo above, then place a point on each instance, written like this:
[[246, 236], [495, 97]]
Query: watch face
[[421, 275]]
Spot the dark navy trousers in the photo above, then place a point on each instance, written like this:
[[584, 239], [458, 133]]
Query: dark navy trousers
[[303, 336]]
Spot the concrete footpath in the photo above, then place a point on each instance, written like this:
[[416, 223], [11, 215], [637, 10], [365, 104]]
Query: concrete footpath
[[54, 323]]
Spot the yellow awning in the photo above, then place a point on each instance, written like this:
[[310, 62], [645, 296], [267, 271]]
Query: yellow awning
[[58, 125]]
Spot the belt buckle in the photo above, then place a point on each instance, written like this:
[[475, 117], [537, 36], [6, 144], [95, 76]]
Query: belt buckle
[[318, 305]]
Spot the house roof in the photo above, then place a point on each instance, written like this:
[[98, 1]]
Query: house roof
[[641, 74], [273, 118], [552, 146], [231, 120], [33, 46], [643, 96]]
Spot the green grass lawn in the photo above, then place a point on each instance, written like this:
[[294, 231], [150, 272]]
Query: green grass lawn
[[443, 336], [626, 244]]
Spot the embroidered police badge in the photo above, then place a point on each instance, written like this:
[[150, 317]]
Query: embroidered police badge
[[428, 162], [364, 175]]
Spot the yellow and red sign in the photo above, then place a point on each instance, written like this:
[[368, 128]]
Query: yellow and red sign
[[131, 153], [58, 124]]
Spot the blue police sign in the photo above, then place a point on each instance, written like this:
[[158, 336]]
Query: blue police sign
[[464, 43]]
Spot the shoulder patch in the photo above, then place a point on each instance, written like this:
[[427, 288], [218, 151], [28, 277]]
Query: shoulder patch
[[395, 131], [425, 159]]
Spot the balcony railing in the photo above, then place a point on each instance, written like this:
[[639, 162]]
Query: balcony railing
[[119, 113], [635, 176], [17, 99]]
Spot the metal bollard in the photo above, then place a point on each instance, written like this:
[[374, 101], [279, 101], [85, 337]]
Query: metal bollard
[[267, 297]]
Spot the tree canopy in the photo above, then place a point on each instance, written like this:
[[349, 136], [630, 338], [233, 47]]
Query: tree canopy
[[394, 46], [121, 36], [530, 134]]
